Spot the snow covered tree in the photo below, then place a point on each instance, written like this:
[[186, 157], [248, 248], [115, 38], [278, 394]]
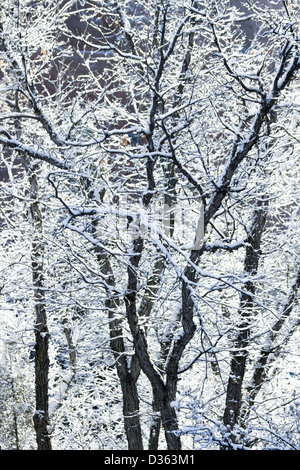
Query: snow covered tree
[[159, 145]]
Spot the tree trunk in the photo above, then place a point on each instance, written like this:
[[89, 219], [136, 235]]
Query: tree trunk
[[164, 393], [131, 409], [127, 373], [154, 427], [41, 416], [239, 356], [169, 422], [271, 351]]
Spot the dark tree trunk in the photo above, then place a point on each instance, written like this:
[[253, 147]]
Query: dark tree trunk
[[271, 351], [131, 408], [169, 422], [241, 342], [154, 427], [164, 392], [41, 417]]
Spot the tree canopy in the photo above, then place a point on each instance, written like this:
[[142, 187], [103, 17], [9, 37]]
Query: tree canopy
[[149, 260]]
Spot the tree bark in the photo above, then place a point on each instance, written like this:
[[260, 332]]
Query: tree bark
[[128, 379], [241, 342], [128, 368], [164, 392], [41, 416]]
